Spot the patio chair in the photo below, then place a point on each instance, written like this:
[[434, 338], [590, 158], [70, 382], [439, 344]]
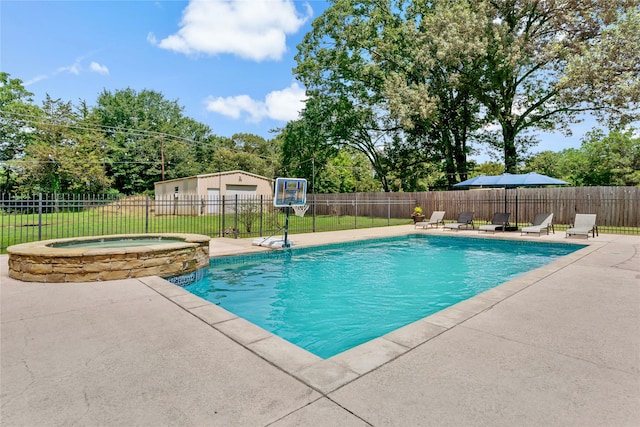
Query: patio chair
[[464, 221], [437, 217], [542, 221], [499, 221], [583, 225]]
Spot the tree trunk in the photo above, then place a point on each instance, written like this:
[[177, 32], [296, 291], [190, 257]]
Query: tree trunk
[[510, 152]]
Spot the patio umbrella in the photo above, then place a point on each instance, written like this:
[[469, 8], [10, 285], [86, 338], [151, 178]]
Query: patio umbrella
[[508, 180]]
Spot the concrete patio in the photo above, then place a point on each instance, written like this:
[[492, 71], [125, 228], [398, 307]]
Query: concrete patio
[[557, 346]]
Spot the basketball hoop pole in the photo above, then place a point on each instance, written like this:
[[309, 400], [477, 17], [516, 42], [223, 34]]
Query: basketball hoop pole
[[286, 228]]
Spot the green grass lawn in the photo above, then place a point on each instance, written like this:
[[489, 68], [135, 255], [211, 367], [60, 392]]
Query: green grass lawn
[[16, 229]]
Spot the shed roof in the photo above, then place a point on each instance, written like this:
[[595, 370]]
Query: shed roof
[[208, 175]]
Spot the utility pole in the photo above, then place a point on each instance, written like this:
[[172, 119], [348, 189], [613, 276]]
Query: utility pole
[[162, 155]]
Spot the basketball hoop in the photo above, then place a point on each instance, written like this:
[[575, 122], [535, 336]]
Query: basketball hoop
[[290, 193], [300, 210]]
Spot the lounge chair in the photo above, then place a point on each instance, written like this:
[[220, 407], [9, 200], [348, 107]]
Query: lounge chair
[[437, 217], [542, 221], [583, 225], [499, 221], [464, 221]]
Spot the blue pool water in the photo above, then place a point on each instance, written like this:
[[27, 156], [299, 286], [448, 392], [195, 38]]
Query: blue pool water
[[332, 298]]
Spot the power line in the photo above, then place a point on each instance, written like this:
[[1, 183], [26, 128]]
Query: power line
[[35, 119]]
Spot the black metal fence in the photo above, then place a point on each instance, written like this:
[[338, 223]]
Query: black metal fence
[[51, 216], [48, 216]]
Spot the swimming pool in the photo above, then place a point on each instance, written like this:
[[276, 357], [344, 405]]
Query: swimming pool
[[332, 298]]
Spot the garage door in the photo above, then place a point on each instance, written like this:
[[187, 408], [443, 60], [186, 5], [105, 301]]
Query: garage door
[[213, 200], [243, 191]]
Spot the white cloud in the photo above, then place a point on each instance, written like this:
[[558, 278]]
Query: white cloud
[[36, 79], [151, 38], [286, 104], [98, 68], [73, 68], [76, 68], [250, 29], [235, 106], [282, 105]]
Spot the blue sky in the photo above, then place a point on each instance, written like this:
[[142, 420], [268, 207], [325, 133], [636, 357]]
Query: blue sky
[[227, 62]]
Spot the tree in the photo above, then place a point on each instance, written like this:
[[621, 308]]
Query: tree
[[612, 159], [305, 148], [345, 86], [65, 155], [547, 163], [380, 62], [348, 172], [267, 153], [526, 76], [607, 66], [487, 168], [187, 148], [574, 166], [16, 113], [147, 137], [451, 71], [426, 87], [238, 160]]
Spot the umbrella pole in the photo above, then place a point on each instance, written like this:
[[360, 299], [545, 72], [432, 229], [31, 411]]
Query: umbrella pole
[[511, 228], [505, 199]]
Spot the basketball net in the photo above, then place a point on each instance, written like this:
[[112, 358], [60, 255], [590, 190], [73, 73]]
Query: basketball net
[[300, 210]]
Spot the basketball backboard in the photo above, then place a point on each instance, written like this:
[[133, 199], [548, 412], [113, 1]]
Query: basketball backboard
[[290, 192]]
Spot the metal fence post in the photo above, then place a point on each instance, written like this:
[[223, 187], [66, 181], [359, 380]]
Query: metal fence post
[[235, 220], [355, 217], [146, 214], [516, 208], [313, 227], [261, 213], [223, 215], [40, 216]]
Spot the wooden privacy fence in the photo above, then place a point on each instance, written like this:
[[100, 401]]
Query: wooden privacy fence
[[614, 206], [376, 205]]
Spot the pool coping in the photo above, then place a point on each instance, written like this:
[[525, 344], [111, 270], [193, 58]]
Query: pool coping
[[328, 375], [41, 261]]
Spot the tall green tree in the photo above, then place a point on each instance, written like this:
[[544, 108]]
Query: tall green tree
[[65, 155], [452, 71], [266, 151], [524, 79], [305, 147], [425, 84], [17, 111], [149, 139], [547, 163], [345, 85], [347, 172], [489, 168], [384, 58], [613, 159], [606, 69], [602, 159]]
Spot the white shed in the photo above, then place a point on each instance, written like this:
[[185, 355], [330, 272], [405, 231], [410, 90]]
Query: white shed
[[201, 194]]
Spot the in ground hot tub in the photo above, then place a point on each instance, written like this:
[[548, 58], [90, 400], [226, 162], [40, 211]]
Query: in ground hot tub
[[89, 259]]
